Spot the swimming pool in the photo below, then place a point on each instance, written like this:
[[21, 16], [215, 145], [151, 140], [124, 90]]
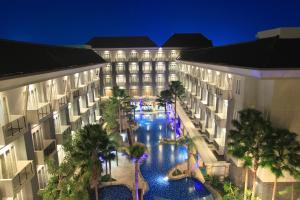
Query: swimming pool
[[115, 192], [162, 157]]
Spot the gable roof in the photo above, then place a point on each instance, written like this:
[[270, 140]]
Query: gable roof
[[19, 58], [121, 42], [265, 53], [188, 40]]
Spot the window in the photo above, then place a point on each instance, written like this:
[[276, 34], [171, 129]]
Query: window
[[120, 68], [147, 67], [133, 67], [8, 165], [160, 67], [37, 137], [120, 79], [147, 78], [134, 79]]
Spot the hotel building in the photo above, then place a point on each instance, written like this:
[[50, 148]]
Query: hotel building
[[46, 92]]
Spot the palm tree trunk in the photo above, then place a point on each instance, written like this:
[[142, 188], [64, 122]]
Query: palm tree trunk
[[292, 198], [254, 181], [109, 163], [106, 167], [246, 183], [189, 163], [137, 179], [120, 122], [95, 176], [274, 189]]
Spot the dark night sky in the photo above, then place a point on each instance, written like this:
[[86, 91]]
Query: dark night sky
[[75, 22]]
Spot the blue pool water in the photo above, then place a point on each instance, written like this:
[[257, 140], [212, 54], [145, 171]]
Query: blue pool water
[[162, 157], [117, 192]]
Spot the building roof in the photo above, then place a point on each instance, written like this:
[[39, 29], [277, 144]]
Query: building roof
[[188, 40], [19, 58], [267, 53], [121, 42]]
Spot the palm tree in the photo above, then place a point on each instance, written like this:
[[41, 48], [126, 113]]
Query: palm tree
[[247, 141], [121, 98], [282, 154], [87, 144], [164, 99], [177, 90], [137, 154]]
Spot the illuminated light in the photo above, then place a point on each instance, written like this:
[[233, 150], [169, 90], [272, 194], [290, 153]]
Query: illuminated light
[[172, 148], [135, 138], [76, 75], [217, 72], [65, 77], [208, 70], [148, 127], [148, 138], [160, 127], [159, 137], [229, 75]]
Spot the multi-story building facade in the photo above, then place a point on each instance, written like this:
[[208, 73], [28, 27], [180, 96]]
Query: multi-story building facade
[[138, 65], [261, 74], [46, 92]]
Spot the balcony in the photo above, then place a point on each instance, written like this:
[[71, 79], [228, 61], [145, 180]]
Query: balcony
[[134, 83], [60, 102], [120, 71], [64, 132], [84, 111], [75, 93], [107, 84], [160, 71], [172, 70], [221, 120], [121, 83], [160, 83], [147, 82], [49, 148], [83, 90], [226, 94], [146, 58], [92, 105], [11, 186], [209, 134], [161, 58], [133, 59], [40, 112], [133, 71], [106, 71], [120, 59], [75, 122], [16, 126], [219, 145]]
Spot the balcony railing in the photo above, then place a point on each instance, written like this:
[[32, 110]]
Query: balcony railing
[[83, 90], [75, 93], [75, 122], [64, 132], [121, 83], [209, 134], [160, 83], [161, 58], [122, 59], [16, 126], [147, 82], [107, 71], [172, 70], [48, 149], [225, 93], [146, 58], [134, 83], [107, 83], [59, 102], [43, 110], [133, 59], [161, 71], [219, 145], [120, 71], [133, 71], [147, 71], [11, 186]]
